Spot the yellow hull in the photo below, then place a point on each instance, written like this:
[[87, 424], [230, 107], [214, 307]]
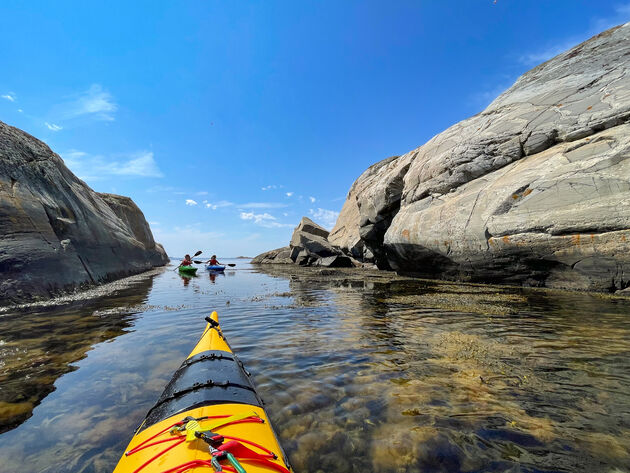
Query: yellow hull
[[223, 405]]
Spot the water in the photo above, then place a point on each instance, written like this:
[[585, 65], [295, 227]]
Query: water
[[361, 372]]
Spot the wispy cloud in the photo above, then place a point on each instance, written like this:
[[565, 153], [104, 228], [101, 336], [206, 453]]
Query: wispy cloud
[[97, 167], [289, 194], [202, 193], [190, 202], [262, 205], [486, 97], [272, 186], [534, 58], [218, 205], [264, 220], [95, 103], [10, 97], [619, 15], [327, 218], [312, 199], [159, 188], [20, 110], [53, 127]]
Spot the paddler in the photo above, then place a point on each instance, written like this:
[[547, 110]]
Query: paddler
[[213, 261], [186, 261]]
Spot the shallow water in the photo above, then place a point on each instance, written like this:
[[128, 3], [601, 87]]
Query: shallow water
[[361, 372]]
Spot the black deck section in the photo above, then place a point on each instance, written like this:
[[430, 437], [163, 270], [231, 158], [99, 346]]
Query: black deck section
[[209, 377]]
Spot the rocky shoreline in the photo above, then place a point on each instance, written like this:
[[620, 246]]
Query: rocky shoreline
[[56, 233], [534, 190]]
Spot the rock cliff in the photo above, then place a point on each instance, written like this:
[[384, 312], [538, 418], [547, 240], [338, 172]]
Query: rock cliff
[[56, 233], [533, 190]]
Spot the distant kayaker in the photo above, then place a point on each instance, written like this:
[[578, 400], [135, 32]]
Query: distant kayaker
[[186, 261], [213, 261]]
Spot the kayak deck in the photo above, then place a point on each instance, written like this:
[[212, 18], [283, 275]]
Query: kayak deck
[[209, 401]]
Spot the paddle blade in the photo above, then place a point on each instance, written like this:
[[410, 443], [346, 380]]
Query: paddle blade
[[231, 265], [198, 253]]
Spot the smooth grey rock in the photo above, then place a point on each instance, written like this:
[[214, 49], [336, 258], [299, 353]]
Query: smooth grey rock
[[372, 202], [56, 233], [337, 261], [533, 190], [277, 256]]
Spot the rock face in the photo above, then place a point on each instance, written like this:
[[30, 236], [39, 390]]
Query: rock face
[[309, 247], [533, 190], [55, 232]]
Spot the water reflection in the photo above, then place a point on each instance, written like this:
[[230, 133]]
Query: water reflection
[[213, 275], [361, 372], [426, 376], [37, 347]]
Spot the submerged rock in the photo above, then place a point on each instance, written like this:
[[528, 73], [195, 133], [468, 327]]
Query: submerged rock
[[56, 233], [533, 190]]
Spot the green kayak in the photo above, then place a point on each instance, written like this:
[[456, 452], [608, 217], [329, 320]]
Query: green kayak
[[187, 270]]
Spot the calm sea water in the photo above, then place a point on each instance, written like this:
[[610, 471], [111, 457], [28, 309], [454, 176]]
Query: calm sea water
[[361, 372]]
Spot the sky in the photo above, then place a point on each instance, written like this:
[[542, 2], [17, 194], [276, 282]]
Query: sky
[[227, 121]]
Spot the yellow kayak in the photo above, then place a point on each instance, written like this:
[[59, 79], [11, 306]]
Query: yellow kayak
[[209, 418]]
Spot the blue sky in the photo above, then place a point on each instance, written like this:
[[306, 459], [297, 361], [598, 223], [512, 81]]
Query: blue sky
[[227, 121]]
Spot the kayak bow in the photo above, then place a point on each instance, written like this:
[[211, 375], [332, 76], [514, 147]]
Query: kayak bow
[[208, 417]]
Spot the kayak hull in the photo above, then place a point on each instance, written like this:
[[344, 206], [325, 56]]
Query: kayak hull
[[215, 267], [212, 387], [187, 270]]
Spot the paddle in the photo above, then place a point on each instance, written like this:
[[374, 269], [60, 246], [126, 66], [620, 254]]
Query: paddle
[[196, 262]]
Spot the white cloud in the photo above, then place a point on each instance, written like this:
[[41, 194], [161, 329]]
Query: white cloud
[[202, 193], [159, 188], [312, 199], [154, 223], [190, 202], [272, 186], [289, 194], [262, 205], [218, 205], [53, 127], [10, 97], [20, 110], [96, 167], [327, 218], [264, 220], [94, 102]]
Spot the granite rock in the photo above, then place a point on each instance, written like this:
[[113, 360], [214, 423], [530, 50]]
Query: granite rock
[[56, 233], [533, 190]]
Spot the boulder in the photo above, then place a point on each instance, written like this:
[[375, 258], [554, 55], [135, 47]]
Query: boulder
[[309, 244], [56, 233], [277, 256], [309, 247], [533, 190], [337, 261]]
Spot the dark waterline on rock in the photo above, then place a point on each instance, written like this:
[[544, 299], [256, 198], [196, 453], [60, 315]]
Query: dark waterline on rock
[[361, 371]]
